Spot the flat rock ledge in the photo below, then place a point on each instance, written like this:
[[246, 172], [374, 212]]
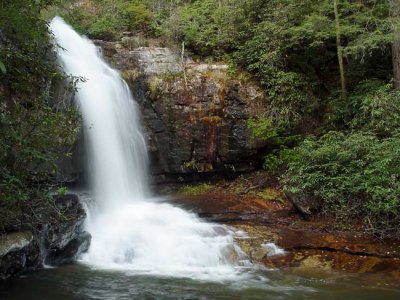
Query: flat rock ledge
[[310, 247]]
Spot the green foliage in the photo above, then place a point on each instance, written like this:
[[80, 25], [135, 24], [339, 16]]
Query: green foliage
[[137, 15], [24, 40], [353, 174], [378, 110], [34, 135], [292, 51], [279, 158], [3, 67], [269, 194], [280, 147], [105, 19], [207, 26], [194, 189], [62, 191], [372, 105], [32, 139], [262, 129], [271, 162], [104, 27]]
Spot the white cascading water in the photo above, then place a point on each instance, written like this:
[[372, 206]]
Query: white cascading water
[[131, 231]]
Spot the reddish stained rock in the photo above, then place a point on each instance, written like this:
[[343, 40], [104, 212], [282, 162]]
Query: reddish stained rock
[[228, 208], [194, 115], [346, 242], [312, 260], [310, 245]]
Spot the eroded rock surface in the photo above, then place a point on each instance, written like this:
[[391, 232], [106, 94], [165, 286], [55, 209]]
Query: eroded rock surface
[[56, 242], [311, 246], [18, 251], [195, 116], [65, 240]]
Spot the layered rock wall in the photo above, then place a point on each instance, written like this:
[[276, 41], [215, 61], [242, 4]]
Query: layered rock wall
[[195, 115]]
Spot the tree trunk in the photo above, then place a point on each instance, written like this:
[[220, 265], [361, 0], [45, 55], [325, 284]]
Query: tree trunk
[[183, 63], [339, 50], [395, 14]]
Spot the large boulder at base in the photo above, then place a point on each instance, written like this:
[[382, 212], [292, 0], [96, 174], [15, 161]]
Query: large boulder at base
[[53, 243], [65, 240], [19, 251]]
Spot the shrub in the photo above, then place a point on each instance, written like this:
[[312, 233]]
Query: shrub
[[34, 134], [262, 129], [104, 19], [137, 16], [105, 27], [194, 189], [378, 109], [355, 174]]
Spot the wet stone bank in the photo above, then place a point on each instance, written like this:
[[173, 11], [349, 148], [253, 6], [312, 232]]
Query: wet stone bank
[[54, 243], [313, 246]]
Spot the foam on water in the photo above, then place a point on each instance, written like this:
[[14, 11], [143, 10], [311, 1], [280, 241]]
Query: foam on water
[[130, 230]]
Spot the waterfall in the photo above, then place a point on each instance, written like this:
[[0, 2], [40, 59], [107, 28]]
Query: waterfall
[[130, 230]]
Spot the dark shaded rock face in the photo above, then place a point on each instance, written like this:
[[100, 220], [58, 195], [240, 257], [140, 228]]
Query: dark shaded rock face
[[19, 252], [194, 115], [306, 205], [69, 167], [54, 243], [64, 241]]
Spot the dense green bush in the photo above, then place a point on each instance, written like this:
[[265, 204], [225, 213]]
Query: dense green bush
[[378, 108], [105, 27], [34, 134], [288, 46], [280, 147], [137, 16], [208, 27], [104, 19], [355, 174]]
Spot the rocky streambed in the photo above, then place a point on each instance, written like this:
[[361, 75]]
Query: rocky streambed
[[195, 118], [319, 245], [320, 260]]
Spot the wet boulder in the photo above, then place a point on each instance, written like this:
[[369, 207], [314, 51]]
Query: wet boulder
[[306, 205], [64, 241], [58, 241], [19, 251]]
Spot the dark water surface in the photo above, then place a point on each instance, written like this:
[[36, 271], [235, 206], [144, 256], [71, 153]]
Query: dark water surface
[[81, 282]]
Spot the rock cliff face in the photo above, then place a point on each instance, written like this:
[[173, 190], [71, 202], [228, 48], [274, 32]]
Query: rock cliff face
[[195, 116], [53, 243]]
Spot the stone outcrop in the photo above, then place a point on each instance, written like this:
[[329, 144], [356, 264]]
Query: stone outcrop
[[18, 252], [306, 205], [194, 115], [314, 246], [64, 241], [53, 243]]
